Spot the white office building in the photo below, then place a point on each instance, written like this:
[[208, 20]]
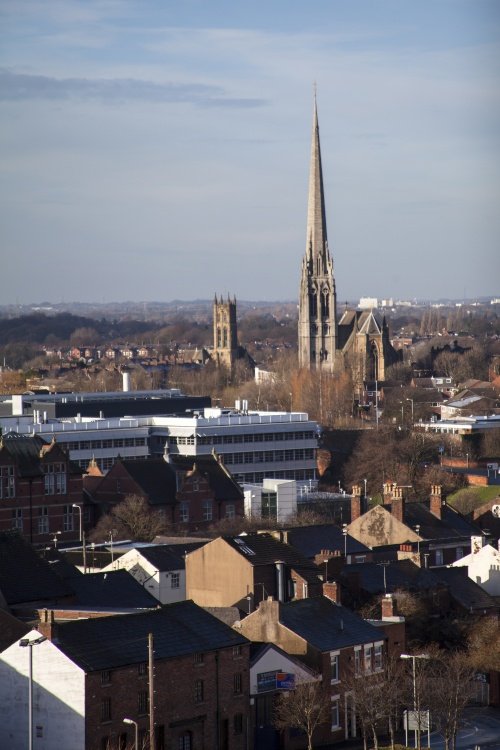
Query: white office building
[[274, 498], [253, 445]]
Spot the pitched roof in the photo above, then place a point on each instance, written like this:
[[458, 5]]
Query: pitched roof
[[398, 574], [168, 556], [464, 590], [312, 540], [264, 549], [155, 477], [11, 629], [24, 576], [178, 630], [113, 589], [451, 525], [326, 625], [28, 452], [220, 480]]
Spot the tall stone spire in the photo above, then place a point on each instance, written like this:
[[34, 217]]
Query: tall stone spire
[[317, 304]]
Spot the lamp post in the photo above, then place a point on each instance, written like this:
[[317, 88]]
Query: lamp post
[[344, 531], [57, 533], [417, 531], [136, 728], [412, 412], [25, 642], [80, 520], [413, 658], [365, 481]]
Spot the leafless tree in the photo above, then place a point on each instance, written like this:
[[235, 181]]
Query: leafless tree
[[305, 708], [133, 518]]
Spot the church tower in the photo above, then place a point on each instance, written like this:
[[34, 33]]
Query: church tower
[[225, 332], [317, 302]]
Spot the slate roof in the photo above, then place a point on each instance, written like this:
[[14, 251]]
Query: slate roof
[[325, 625], [464, 590], [155, 477], [24, 576], [27, 450], [219, 478], [11, 629], [115, 589], [312, 540], [399, 574], [109, 642], [264, 549], [451, 525], [167, 556]]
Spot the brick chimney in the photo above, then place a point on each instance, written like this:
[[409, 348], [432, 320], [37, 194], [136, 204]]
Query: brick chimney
[[355, 502], [389, 607], [47, 626], [398, 504], [330, 562], [331, 590], [388, 490], [436, 501]]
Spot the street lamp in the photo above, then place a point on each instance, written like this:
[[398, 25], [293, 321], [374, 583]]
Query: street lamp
[[25, 642], [414, 657], [364, 480], [57, 533], [136, 727], [344, 531], [79, 508], [412, 415], [417, 531]]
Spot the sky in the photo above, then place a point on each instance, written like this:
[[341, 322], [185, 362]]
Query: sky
[[159, 150]]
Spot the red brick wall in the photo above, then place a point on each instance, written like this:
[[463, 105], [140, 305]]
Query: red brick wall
[[175, 706]]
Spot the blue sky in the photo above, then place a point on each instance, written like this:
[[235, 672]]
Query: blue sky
[[159, 150]]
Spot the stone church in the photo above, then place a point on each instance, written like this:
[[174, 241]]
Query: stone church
[[359, 340], [226, 350]]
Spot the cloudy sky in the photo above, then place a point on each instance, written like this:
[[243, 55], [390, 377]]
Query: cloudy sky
[[158, 150]]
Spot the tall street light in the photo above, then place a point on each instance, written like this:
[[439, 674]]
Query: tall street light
[[414, 657], [344, 531], [79, 508], [25, 642], [136, 727]]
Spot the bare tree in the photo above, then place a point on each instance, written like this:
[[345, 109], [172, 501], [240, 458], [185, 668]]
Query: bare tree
[[133, 518], [305, 708]]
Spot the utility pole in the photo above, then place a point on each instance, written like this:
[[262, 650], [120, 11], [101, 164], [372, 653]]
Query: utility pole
[[151, 692]]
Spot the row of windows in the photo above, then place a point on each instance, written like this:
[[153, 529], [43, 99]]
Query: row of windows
[[85, 445], [42, 526], [264, 437], [184, 740], [368, 660], [206, 511], [262, 457]]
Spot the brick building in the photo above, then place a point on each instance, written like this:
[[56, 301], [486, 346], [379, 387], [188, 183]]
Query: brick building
[[90, 674], [39, 487]]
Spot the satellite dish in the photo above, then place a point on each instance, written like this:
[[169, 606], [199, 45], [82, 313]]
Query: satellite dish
[[496, 511]]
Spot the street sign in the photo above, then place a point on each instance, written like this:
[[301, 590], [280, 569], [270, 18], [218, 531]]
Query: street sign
[[412, 720]]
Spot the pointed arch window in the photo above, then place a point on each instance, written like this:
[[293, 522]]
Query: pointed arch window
[[325, 303]]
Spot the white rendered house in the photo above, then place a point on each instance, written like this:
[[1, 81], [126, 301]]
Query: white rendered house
[[484, 568]]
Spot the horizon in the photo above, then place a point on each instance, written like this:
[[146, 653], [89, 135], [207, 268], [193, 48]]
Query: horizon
[[154, 153]]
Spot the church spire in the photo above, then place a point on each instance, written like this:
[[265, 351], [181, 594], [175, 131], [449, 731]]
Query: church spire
[[317, 242], [317, 303]]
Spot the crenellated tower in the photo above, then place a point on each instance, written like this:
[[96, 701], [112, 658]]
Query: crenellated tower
[[225, 332]]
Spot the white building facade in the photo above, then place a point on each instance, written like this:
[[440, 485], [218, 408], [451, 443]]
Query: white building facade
[[275, 499]]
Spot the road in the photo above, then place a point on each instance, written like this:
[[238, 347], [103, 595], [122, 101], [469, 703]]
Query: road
[[481, 729]]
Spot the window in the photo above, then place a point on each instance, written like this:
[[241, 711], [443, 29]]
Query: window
[[207, 510], [106, 709], [269, 508], [122, 741], [237, 683], [142, 669], [43, 520], [236, 652], [185, 741], [68, 518], [7, 482], [238, 723], [357, 662], [199, 658], [439, 557], [142, 702], [106, 677], [55, 479], [334, 666], [184, 512], [230, 510], [17, 519], [378, 657], [335, 712], [175, 580], [368, 658], [198, 691]]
